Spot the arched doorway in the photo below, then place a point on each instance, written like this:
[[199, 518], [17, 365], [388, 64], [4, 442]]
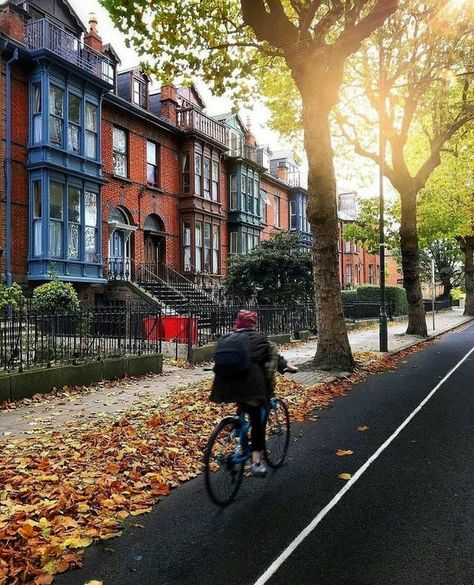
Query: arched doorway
[[119, 244], [154, 244]]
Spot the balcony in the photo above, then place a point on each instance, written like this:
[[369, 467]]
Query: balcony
[[191, 120], [42, 34]]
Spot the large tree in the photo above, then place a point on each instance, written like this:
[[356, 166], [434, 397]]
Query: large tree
[[228, 42], [424, 97]]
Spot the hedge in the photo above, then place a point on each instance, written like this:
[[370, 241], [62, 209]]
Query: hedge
[[349, 296], [395, 295]]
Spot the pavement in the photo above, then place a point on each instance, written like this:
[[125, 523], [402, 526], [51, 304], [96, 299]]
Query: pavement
[[113, 399]]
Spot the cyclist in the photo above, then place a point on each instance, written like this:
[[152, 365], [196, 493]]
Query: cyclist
[[254, 387]]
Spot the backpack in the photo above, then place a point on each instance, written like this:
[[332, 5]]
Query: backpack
[[232, 355]]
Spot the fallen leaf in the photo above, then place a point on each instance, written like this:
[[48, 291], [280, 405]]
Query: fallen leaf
[[94, 583], [345, 476], [343, 452], [363, 428]]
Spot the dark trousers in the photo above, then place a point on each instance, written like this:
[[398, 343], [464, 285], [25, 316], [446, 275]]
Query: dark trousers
[[257, 435]]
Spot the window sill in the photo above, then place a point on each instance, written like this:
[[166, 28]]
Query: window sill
[[154, 188], [120, 178]]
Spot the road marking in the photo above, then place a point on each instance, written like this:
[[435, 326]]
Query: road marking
[[272, 569]]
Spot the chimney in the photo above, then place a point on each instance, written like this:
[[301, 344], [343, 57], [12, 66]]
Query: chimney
[[12, 21], [250, 138], [92, 38], [282, 171], [169, 103]]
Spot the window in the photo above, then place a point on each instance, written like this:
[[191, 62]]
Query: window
[[371, 274], [91, 130], [215, 180], [187, 246], [235, 143], [198, 245], [120, 152], [37, 119], [56, 217], [151, 163], [197, 173], [250, 195], [74, 220], [233, 192], [207, 247], [234, 242], [56, 115], [277, 211], [256, 193], [265, 203], [185, 172], [215, 249], [108, 72], [91, 217], [304, 215], [74, 123], [37, 237], [347, 247], [292, 215], [207, 177], [139, 93], [348, 274]]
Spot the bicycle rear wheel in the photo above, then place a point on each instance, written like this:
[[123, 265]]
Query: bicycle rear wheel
[[277, 434], [222, 474]]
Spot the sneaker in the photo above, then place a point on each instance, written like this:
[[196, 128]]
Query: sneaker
[[259, 469]]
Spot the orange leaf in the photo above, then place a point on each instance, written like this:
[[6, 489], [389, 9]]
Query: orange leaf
[[363, 428], [345, 476], [343, 453]]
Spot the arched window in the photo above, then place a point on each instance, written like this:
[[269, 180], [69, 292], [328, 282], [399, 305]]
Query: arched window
[[117, 215]]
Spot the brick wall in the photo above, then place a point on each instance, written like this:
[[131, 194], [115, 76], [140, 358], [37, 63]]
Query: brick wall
[[275, 191]]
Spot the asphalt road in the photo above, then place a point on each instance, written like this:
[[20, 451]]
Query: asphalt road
[[409, 519]]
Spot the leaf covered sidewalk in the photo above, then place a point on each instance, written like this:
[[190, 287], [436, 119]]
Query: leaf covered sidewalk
[[61, 490]]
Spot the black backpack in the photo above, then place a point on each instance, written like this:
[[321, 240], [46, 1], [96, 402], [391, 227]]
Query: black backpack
[[232, 355]]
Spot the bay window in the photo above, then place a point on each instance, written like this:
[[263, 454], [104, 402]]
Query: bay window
[[233, 192], [215, 249], [198, 245], [56, 115], [197, 173], [37, 211], [91, 216], [207, 247], [207, 177], [185, 172], [37, 118], [74, 221], [234, 242], [187, 246], [215, 180]]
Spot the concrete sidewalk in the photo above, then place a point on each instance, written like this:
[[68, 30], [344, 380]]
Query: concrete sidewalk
[[111, 400]]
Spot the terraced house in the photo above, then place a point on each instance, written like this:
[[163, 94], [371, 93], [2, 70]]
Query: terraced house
[[117, 187]]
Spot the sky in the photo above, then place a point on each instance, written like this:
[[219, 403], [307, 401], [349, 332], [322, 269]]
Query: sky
[[358, 176]]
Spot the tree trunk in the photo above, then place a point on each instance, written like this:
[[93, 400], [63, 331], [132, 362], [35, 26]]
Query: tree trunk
[[411, 264], [333, 350], [447, 287], [467, 246]]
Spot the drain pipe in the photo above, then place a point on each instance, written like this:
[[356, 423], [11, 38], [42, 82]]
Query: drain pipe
[[8, 171]]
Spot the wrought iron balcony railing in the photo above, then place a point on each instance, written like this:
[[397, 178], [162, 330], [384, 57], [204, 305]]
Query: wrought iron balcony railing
[[42, 34], [190, 119]]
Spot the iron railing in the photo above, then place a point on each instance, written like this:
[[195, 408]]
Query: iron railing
[[190, 119], [42, 34]]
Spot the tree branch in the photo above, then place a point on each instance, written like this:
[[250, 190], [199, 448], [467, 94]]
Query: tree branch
[[272, 26]]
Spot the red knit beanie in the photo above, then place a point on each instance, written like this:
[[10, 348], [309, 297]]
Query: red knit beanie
[[246, 320]]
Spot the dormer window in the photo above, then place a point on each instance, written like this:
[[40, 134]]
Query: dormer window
[[139, 93]]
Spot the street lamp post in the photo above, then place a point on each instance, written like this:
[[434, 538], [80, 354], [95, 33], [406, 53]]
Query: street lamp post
[[383, 333]]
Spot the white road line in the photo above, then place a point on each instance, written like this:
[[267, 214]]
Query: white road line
[[312, 525]]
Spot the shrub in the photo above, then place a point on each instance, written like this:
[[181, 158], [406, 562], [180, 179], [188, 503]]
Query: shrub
[[55, 297], [11, 296], [456, 294], [395, 295], [348, 296]]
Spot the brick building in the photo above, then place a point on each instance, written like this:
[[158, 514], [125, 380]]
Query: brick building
[[105, 180]]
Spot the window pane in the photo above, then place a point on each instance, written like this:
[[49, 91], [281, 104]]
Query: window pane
[[37, 98], [56, 204], [91, 117], [56, 101], [120, 140], [197, 164], [91, 244], [91, 142], [120, 164], [91, 208], [151, 153], [215, 170], [73, 138], [56, 239], [73, 241], [74, 106], [37, 236], [36, 199], [37, 129], [74, 204], [56, 130]]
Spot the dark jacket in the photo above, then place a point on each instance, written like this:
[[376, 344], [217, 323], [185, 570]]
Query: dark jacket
[[254, 384]]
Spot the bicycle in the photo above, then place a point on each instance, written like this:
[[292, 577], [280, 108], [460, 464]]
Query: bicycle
[[228, 449]]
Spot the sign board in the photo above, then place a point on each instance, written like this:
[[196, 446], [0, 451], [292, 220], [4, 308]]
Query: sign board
[[348, 209]]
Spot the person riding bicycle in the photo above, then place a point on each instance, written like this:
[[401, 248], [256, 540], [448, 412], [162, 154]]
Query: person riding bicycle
[[254, 387]]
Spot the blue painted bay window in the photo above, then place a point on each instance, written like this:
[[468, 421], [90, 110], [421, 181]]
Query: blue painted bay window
[[64, 227], [299, 218]]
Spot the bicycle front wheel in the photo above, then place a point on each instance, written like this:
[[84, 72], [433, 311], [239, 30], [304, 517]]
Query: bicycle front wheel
[[277, 434], [222, 470]]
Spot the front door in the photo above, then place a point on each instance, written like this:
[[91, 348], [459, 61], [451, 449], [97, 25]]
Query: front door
[[119, 255], [153, 252]]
